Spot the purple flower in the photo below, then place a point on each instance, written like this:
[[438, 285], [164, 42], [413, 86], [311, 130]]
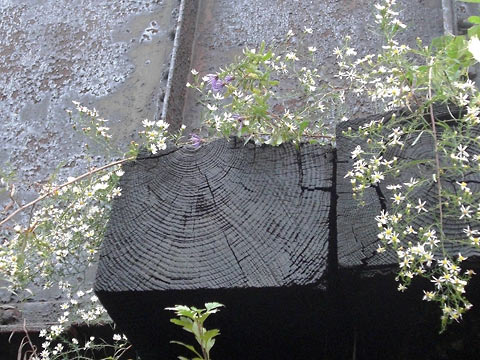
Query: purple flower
[[240, 119], [196, 140], [228, 79], [216, 83]]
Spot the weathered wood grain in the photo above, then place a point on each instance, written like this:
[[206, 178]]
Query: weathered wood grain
[[224, 215], [357, 230]]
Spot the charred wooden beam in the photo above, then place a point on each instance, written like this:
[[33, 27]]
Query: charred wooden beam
[[210, 222]]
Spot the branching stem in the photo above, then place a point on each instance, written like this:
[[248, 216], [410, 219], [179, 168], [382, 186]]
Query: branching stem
[[55, 189]]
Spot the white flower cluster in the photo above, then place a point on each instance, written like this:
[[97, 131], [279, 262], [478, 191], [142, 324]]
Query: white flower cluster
[[367, 173], [413, 226], [95, 126], [387, 16], [64, 234], [417, 249], [80, 307], [156, 135]]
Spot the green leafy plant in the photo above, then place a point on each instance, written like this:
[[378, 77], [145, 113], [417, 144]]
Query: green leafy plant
[[245, 99], [191, 320]]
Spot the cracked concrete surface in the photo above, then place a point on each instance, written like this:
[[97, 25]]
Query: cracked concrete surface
[[111, 55], [107, 55]]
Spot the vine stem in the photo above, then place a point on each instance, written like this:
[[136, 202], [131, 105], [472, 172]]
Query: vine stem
[[54, 190], [435, 146]]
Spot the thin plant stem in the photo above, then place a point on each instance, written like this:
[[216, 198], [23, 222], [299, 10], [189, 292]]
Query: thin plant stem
[[435, 148], [54, 190]]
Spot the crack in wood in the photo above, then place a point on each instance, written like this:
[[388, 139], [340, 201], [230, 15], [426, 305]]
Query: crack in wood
[[236, 259], [381, 197], [300, 168], [208, 184]]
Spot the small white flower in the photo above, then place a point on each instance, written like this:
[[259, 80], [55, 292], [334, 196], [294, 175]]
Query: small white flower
[[212, 107], [465, 212], [350, 52], [399, 23], [394, 187], [410, 230], [307, 30], [218, 96], [291, 56], [421, 206], [162, 124], [358, 150], [377, 177], [146, 123], [463, 185], [411, 183], [116, 192], [338, 53], [429, 295], [470, 232], [117, 337], [474, 47], [194, 72], [398, 198]]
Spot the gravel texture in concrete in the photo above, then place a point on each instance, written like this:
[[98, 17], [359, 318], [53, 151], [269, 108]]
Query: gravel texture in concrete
[[111, 55]]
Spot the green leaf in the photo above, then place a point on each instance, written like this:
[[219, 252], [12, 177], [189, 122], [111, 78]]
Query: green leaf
[[204, 317], [213, 305], [262, 47], [470, 1], [210, 334], [209, 344], [441, 41], [474, 19], [185, 323], [189, 347], [474, 30], [303, 125]]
